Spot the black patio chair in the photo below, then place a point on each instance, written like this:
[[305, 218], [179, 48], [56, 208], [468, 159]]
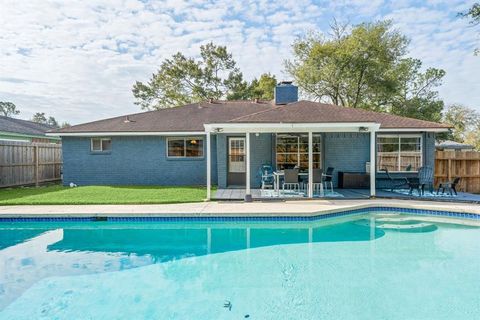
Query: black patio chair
[[449, 185], [396, 182]]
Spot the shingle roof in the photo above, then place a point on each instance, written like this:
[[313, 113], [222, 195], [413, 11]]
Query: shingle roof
[[192, 117], [13, 125], [315, 112]]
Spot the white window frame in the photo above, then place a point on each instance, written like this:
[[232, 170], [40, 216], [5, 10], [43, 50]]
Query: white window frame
[[298, 153], [101, 144], [185, 147], [399, 136]]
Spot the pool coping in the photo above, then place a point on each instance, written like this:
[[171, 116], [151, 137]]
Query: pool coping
[[311, 210]]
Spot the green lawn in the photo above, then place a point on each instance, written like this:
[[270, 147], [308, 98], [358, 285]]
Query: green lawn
[[56, 194]]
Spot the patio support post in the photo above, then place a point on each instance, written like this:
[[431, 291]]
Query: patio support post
[[209, 167], [373, 166], [310, 164], [248, 193]]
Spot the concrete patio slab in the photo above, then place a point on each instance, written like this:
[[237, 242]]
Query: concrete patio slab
[[239, 194]]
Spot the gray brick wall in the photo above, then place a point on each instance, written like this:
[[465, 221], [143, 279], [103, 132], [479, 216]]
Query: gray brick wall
[[143, 161], [347, 151], [221, 139], [261, 152], [429, 149], [132, 161], [285, 93]]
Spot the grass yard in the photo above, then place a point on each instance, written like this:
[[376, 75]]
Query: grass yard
[[56, 194]]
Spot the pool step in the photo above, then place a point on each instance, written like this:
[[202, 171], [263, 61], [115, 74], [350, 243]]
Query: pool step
[[402, 226], [401, 223]]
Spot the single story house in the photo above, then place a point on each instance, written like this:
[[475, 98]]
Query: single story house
[[225, 142], [12, 129]]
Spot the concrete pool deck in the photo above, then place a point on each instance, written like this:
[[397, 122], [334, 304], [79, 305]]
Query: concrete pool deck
[[205, 209]]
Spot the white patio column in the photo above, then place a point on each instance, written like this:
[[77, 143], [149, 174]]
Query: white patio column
[[248, 192], [373, 159], [209, 167], [310, 164]]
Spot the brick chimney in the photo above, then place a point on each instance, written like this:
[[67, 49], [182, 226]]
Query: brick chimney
[[285, 92]]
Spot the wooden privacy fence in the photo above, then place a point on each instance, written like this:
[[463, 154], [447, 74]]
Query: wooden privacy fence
[[463, 164], [24, 163]]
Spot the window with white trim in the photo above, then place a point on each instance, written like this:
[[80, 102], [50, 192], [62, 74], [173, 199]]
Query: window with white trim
[[185, 147], [101, 144], [399, 153]]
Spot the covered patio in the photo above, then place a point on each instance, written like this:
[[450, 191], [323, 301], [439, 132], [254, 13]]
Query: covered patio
[[348, 194], [251, 129]]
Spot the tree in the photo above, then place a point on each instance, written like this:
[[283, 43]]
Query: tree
[[52, 122], [466, 124], [416, 96], [352, 69], [473, 138], [365, 67], [474, 15], [8, 109], [181, 80], [40, 117], [263, 87]]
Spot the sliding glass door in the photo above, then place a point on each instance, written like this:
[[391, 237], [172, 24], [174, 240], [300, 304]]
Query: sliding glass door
[[292, 151]]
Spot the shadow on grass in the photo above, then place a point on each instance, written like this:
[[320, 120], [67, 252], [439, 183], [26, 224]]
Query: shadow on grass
[[125, 194], [7, 194]]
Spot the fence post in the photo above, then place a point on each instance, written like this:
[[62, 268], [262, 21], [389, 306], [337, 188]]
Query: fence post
[[449, 169], [35, 149]]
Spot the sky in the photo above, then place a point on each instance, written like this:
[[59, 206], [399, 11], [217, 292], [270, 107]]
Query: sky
[[77, 60]]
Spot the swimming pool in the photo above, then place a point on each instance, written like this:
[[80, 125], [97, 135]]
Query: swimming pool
[[362, 266]]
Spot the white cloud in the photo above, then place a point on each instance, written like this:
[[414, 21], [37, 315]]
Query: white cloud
[[78, 60]]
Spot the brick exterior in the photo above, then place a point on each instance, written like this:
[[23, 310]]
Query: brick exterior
[[285, 93], [222, 159], [261, 152], [142, 160], [132, 161], [346, 152]]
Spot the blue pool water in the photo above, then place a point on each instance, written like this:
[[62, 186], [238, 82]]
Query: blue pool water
[[373, 266]]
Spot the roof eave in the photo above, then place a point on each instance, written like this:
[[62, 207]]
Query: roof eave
[[269, 127], [124, 133], [416, 129]]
